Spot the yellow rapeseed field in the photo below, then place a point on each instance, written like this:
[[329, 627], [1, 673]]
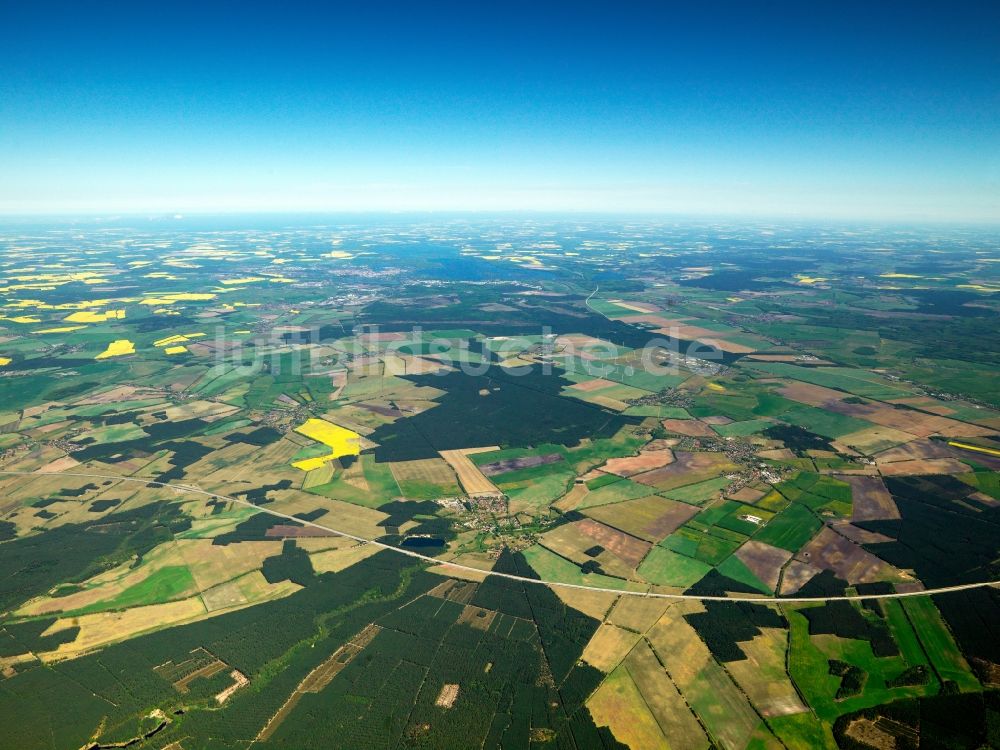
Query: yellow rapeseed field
[[117, 349], [340, 440]]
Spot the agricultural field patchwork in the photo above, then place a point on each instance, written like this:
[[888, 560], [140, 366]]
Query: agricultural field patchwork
[[498, 484]]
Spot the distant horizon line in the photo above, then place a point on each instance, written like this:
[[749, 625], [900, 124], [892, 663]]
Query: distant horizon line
[[181, 215]]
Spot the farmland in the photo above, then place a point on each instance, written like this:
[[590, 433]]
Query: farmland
[[332, 436]]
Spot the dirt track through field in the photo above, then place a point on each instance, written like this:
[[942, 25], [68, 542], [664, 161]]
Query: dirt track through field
[[510, 576]]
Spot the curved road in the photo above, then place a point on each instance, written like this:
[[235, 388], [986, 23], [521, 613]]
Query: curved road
[[510, 576]]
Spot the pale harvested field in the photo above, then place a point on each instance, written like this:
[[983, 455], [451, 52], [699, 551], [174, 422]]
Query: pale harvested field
[[251, 588], [872, 501], [103, 628], [618, 705], [470, 477], [119, 394], [448, 695], [777, 454], [874, 439], [335, 560], [645, 461], [727, 346], [608, 646], [593, 603], [61, 464], [353, 519], [433, 470], [643, 307], [636, 613], [210, 411], [649, 318], [679, 726], [592, 385], [724, 709], [211, 564], [762, 675], [678, 328], [573, 498]]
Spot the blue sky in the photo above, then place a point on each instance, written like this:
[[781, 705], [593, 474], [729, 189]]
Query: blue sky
[[884, 110]]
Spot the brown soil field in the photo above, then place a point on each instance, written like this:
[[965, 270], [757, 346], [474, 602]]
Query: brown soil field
[[830, 551], [747, 495], [797, 575], [514, 464], [650, 518], [687, 468], [918, 448], [382, 410], [716, 420], [923, 466], [857, 534], [570, 542], [645, 461], [764, 561], [872, 501], [648, 318], [689, 427], [867, 732], [905, 420], [627, 547], [477, 617]]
